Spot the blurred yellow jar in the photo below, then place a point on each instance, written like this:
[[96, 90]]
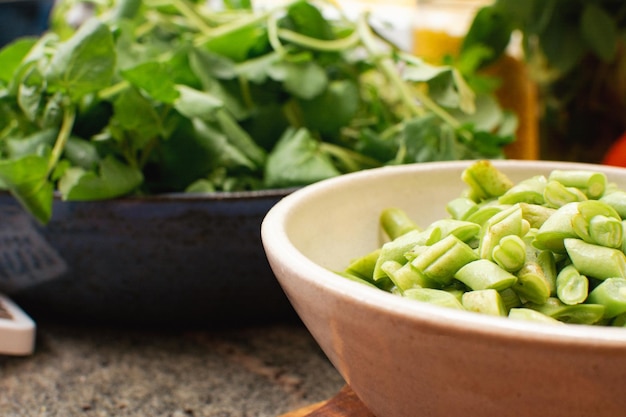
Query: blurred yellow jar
[[439, 28]]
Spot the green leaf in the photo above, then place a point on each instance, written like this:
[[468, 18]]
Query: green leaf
[[257, 70], [114, 179], [561, 43], [26, 179], [240, 44], [304, 18], [34, 143], [297, 160], [240, 139], [134, 116], [194, 103], [599, 30], [490, 28], [304, 80], [30, 93], [84, 63], [333, 109], [155, 79], [11, 57]]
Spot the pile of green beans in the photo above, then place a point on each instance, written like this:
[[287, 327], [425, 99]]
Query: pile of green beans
[[548, 249]]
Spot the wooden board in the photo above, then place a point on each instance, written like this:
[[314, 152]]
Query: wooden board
[[344, 404]]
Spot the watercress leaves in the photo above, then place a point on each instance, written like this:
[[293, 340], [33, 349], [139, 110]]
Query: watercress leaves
[[149, 98], [85, 63]]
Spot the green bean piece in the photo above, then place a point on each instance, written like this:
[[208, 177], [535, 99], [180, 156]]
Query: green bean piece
[[606, 231], [527, 191], [507, 222], [592, 183], [535, 214], [484, 301], [510, 299], [406, 276], [617, 200], [527, 314], [599, 223], [611, 293], [587, 313], [461, 208], [623, 248], [596, 261], [485, 180], [557, 195], [483, 274], [571, 287], [396, 250], [556, 229], [619, 320], [485, 212], [395, 222], [434, 296], [363, 266], [546, 260], [532, 284], [355, 278], [441, 260], [510, 253], [465, 231]]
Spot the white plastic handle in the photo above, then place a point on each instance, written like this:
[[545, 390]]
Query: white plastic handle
[[17, 329]]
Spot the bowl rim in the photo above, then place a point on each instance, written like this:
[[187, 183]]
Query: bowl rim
[[293, 262]]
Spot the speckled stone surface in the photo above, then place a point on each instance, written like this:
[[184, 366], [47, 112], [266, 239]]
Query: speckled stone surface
[[79, 370]]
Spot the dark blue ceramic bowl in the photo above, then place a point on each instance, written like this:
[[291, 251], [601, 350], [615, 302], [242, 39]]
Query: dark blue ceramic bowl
[[175, 259]]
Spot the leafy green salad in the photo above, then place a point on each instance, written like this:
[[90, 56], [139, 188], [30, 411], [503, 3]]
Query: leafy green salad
[[156, 96], [549, 249]]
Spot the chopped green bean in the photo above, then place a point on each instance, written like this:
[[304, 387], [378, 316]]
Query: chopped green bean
[[484, 301], [617, 200], [510, 299], [510, 253], [557, 195], [556, 229], [405, 276], [571, 287], [396, 249], [528, 191], [504, 223], [441, 261], [535, 214], [585, 313], [592, 183], [434, 296], [527, 314], [395, 222], [596, 261], [461, 208], [611, 293], [363, 267], [465, 231], [485, 180], [484, 212], [483, 274], [532, 284], [598, 223]]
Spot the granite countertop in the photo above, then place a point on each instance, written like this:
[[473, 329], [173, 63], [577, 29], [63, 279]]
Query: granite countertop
[[81, 370]]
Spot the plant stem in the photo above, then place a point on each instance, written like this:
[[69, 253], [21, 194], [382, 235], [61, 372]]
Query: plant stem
[[335, 45], [192, 15], [69, 115]]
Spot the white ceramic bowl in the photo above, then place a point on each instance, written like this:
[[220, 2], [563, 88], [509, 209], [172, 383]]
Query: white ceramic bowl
[[405, 358]]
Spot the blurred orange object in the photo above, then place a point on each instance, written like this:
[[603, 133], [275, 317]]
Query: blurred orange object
[[616, 154]]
